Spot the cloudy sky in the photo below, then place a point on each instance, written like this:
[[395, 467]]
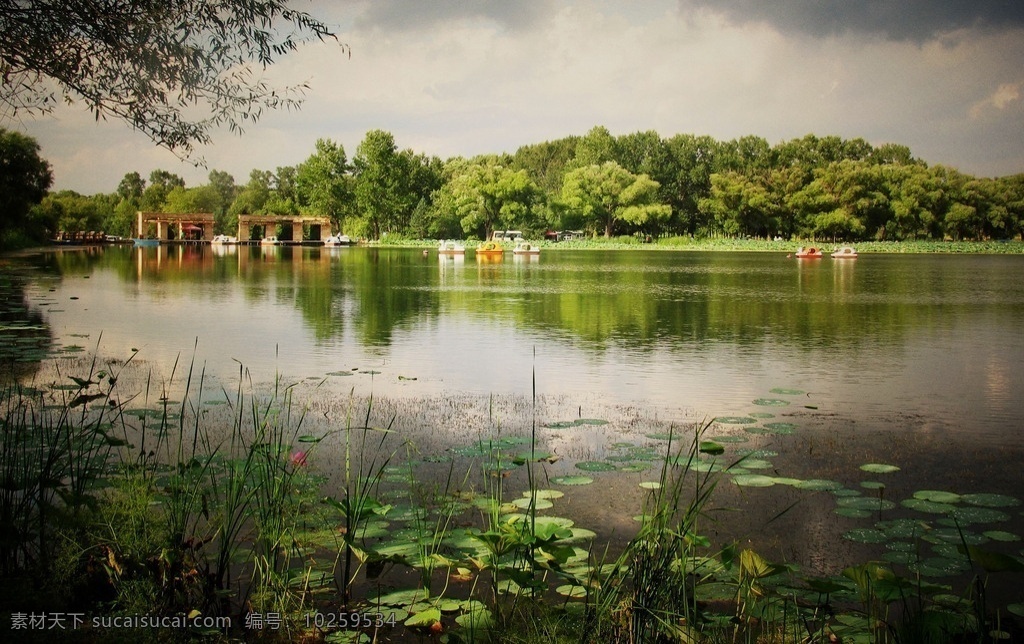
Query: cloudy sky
[[462, 77]]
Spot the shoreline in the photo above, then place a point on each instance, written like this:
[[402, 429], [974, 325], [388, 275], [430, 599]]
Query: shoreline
[[919, 247]]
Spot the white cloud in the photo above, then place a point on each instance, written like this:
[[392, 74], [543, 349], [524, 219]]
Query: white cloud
[[999, 100]]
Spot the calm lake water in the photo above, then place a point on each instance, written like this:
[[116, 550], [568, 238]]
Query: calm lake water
[[916, 360], [937, 336]]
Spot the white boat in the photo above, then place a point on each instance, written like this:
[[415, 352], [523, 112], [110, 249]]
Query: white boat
[[447, 247], [526, 248], [270, 241], [846, 252], [338, 240], [223, 240]]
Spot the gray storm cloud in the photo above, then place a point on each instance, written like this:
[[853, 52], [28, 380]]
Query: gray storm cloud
[[412, 14], [909, 20]]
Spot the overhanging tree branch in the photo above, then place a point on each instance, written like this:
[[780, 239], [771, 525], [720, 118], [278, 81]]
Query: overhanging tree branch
[[172, 69]]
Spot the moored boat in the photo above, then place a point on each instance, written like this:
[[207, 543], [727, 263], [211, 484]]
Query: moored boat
[[449, 247], [490, 249], [526, 248], [846, 252], [270, 241], [146, 242], [223, 240], [808, 253], [338, 240]]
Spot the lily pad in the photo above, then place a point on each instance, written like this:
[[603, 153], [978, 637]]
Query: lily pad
[[938, 496], [735, 420], [852, 513], [822, 485], [650, 485], [595, 466], [572, 480], [991, 500], [545, 494], [735, 438], [771, 402], [570, 590], [939, 567], [753, 480], [979, 515], [635, 467], [866, 535], [782, 391], [879, 468], [865, 503], [931, 507], [781, 428], [539, 504], [1000, 535]]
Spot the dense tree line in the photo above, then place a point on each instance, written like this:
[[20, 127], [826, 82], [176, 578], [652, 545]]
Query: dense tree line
[[823, 188]]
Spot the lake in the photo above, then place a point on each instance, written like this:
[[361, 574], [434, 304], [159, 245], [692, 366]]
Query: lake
[[821, 365]]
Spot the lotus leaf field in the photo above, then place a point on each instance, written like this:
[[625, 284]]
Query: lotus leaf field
[[479, 520]]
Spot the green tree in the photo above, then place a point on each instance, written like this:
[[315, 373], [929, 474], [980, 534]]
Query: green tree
[[486, 194], [192, 200], [24, 179], [161, 182], [380, 182], [608, 193], [150, 63], [323, 182], [596, 147], [251, 199], [741, 206], [131, 187]]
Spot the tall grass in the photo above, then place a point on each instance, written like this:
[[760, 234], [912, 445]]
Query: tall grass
[[153, 507]]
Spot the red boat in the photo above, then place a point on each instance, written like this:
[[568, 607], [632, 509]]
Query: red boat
[[808, 253]]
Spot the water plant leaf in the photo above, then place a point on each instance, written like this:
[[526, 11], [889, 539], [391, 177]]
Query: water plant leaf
[[819, 485], [991, 500], [879, 468], [545, 494], [939, 567], [401, 597], [978, 515], [572, 480], [635, 467], [735, 420], [476, 619], [1016, 609], [902, 528], [539, 504], [938, 496], [756, 566], [865, 503], [852, 513], [711, 447], [559, 424], [424, 619], [753, 480], [771, 402], [931, 507], [1001, 535], [650, 485], [781, 428], [865, 535], [787, 392], [595, 466], [570, 590]]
